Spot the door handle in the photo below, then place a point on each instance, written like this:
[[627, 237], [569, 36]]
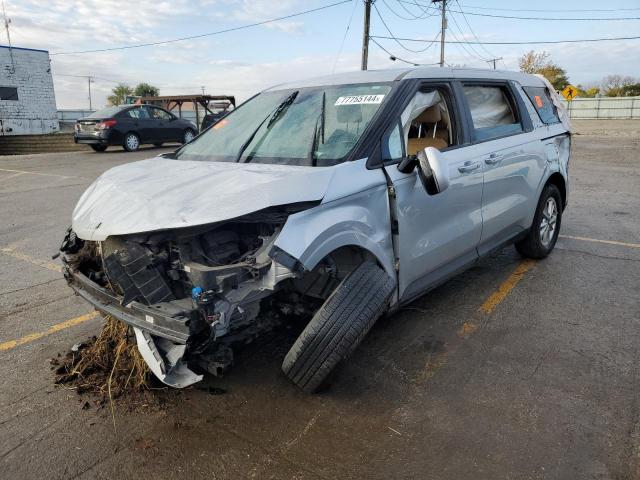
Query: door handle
[[493, 159], [469, 167]]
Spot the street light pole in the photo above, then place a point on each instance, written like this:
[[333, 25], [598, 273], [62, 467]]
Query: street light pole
[[89, 81]]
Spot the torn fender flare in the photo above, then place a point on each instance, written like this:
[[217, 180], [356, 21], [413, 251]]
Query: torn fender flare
[[288, 261]]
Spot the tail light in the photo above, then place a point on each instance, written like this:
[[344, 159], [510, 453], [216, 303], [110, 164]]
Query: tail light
[[106, 124]]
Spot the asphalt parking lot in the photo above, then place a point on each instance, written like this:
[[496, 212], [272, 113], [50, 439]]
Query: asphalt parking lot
[[515, 369]]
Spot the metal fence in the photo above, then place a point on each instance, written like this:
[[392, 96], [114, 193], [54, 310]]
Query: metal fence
[[73, 115], [604, 107]]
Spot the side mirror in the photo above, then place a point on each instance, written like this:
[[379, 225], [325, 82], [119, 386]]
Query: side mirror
[[433, 170]]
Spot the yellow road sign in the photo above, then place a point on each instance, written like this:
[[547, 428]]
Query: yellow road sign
[[569, 92]]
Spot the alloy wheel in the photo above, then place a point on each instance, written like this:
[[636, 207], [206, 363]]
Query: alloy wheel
[[548, 221], [132, 142]]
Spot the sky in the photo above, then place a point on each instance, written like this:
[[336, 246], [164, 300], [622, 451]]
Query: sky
[[243, 62]]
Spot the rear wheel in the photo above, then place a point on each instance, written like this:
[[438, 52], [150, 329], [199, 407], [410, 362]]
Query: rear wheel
[[98, 148], [338, 326], [188, 135], [544, 231], [131, 142]]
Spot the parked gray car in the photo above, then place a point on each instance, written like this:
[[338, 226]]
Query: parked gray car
[[339, 198]]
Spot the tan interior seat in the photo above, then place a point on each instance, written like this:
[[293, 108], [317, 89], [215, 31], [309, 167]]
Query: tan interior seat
[[435, 134]]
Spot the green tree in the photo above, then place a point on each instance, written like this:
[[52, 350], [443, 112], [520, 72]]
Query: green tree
[[119, 94], [614, 85], [556, 76], [541, 63], [587, 92], [146, 90], [632, 90], [532, 62]]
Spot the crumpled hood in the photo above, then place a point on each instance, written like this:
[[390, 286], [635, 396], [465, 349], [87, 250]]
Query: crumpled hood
[[159, 194]]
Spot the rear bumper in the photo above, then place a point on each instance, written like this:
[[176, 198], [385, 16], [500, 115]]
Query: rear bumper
[[170, 326], [101, 138]]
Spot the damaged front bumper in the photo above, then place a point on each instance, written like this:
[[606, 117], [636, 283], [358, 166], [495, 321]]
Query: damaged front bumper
[[153, 319], [161, 336]]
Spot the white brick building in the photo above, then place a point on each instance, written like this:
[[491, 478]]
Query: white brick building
[[27, 99]]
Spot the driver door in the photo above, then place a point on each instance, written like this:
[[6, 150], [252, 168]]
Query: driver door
[[436, 235]]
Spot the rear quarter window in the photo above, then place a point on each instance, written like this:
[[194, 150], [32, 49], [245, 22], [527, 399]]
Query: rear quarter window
[[541, 101]]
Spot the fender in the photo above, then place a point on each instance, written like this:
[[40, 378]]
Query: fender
[[558, 155], [361, 219]]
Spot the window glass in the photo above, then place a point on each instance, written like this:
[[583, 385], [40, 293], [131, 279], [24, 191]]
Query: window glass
[[491, 111], [541, 101], [392, 145], [159, 114], [138, 113], [316, 126], [106, 112], [9, 93]]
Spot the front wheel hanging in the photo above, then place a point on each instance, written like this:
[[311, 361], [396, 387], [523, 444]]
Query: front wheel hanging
[[338, 326]]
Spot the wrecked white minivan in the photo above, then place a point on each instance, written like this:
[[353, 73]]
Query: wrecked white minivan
[[340, 197]]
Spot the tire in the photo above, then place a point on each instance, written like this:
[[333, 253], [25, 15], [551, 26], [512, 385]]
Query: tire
[[158, 144], [544, 231], [188, 135], [338, 326], [98, 148], [131, 142]]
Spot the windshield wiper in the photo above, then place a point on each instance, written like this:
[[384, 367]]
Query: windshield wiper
[[272, 119], [314, 141]]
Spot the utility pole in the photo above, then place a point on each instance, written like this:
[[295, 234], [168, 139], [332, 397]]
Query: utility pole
[[443, 28], [7, 21], [494, 60], [202, 87], [90, 81], [365, 34]]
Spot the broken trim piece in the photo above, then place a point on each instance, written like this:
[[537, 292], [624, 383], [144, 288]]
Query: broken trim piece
[[288, 261], [177, 375]]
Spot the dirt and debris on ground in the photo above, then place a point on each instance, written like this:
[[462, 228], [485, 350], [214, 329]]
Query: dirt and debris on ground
[[108, 367]]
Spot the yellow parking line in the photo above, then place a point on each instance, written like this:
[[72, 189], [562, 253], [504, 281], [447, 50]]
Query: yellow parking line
[[36, 173], [13, 175], [595, 240], [53, 329], [27, 258], [503, 290]]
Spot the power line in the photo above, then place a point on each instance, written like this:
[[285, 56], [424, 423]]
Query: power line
[[552, 19], [394, 37], [464, 17], [421, 16], [344, 37], [412, 17], [555, 9], [227, 30], [472, 49], [424, 9], [395, 57], [540, 42]]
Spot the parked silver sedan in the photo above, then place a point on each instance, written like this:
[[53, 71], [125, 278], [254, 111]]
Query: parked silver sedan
[[338, 198]]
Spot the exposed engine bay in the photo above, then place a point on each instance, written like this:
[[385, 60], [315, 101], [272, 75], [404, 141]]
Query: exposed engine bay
[[193, 294]]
